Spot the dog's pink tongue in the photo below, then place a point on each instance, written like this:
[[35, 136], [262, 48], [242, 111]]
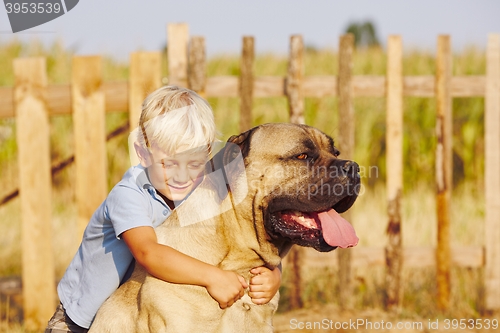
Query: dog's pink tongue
[[336, 230]]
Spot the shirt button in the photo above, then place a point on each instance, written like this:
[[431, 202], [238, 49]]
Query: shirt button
[[165, 212]]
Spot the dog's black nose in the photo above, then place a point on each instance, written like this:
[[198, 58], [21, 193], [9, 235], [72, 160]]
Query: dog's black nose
[[351, 168]]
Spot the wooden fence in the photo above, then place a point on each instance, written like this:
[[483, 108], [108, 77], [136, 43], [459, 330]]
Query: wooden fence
[[32, 101]]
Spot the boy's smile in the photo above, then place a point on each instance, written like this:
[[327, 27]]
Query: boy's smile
[[175, 176]]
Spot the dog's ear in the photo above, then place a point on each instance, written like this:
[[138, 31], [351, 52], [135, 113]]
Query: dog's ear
[[242, 141], [235, 145], [230, 159], [240, 138]]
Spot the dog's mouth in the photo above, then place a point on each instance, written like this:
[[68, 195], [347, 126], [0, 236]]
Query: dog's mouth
[[306, 228], [335, 230], [323, 230]]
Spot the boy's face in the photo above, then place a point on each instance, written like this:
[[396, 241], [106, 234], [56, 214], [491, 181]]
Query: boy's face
[[175, 176]]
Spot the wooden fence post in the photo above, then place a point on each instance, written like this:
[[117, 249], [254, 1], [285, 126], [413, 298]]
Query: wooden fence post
[[394, 158], [246, 83], [293, 91], [197, 69], [294, 80], [145, 77], [492, 173], [33, 142], [89, 125], [443, 168], [178, 37], [345, 142]]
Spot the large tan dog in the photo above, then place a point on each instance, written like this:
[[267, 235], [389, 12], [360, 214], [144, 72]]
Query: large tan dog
[[286, 186]]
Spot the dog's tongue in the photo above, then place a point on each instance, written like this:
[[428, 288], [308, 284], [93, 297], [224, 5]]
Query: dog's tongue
[[336, 230]]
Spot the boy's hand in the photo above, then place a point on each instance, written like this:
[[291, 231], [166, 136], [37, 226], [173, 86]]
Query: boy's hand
[[264, 285], [226, 287]]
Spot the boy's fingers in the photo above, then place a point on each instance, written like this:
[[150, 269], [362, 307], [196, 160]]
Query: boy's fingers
[[255, 282], [259, 280], [257, 288], [260, 295], [242, 281], [260, 301]]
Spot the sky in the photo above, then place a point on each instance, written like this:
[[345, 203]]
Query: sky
[[118, 27]]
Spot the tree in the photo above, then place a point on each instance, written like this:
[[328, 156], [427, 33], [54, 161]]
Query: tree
[[364, 33]]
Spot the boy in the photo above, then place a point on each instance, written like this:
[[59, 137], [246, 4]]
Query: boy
[[176, 128]]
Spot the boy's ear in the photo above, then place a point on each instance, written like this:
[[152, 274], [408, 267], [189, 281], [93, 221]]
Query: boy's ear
[[143, 154]]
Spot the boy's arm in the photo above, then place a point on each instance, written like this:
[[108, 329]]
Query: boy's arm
[[265, 284], [173, 266]]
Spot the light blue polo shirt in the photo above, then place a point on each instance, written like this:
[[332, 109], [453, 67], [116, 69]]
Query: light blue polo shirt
[[103, 258]]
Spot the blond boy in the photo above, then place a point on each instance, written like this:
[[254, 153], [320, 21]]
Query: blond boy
[[176, 130]]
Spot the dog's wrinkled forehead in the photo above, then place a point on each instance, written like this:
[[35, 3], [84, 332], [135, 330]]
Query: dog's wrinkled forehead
[[279, 139]]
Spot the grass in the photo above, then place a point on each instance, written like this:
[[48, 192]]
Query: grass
[[369, 213], [12, 328]]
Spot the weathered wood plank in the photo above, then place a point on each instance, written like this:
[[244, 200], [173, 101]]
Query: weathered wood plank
[[197, 70], [444, 167], [468, 86], [319, 86], [492, 173], [222, 86], [294, 95], [7, 102], [145, 77], [394, 158], [294, 78], [419, 86], [345, 144], [368, 85], [33, 142], [246, 83], [59, 97], [116, 96], [89, 125], [269, 86], [177, 48]]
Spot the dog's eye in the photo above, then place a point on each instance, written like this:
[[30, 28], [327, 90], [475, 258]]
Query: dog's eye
[[302, 156]]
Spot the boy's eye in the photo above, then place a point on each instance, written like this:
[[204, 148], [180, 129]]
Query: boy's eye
[[167, 165], [196, 165]]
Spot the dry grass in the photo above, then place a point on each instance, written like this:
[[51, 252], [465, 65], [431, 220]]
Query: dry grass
[[12, 328]]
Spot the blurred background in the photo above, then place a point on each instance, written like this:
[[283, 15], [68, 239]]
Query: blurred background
[[114, 29]]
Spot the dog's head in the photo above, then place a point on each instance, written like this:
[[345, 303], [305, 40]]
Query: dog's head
[[297, 183]]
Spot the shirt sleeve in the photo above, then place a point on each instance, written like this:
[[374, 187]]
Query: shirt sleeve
[[129, 208]]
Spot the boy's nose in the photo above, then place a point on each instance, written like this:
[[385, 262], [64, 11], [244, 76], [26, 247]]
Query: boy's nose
[[181, 176]]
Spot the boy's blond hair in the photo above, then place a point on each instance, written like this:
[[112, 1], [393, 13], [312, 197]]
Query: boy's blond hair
[[175, 118]]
